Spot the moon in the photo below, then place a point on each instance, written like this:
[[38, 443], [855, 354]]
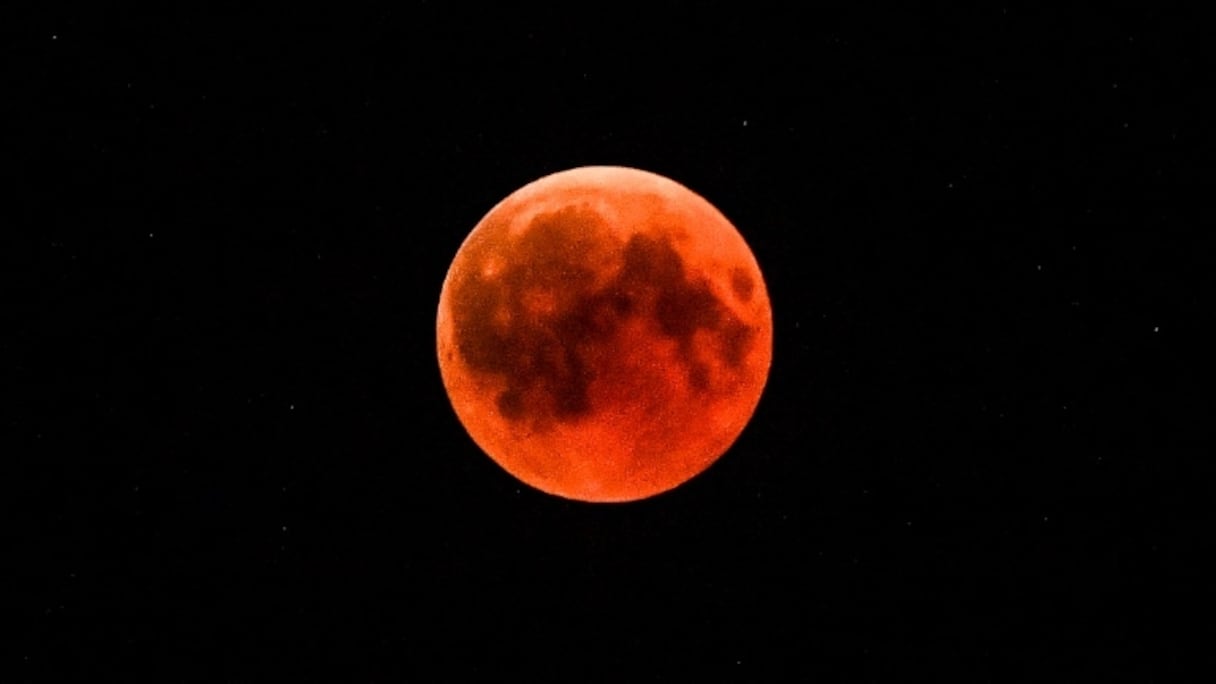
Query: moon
[[604, 334]]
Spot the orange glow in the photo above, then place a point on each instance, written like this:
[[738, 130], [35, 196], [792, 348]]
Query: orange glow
[[604, 334]]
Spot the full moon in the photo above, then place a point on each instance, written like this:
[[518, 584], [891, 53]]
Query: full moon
[[604, 334]]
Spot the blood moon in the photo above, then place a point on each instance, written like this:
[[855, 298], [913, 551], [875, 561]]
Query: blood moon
[[604, 334]]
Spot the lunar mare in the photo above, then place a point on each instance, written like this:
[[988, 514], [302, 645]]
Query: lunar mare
[[604, 334]]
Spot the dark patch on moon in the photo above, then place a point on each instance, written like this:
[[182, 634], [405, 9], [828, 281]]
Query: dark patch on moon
[[742, 284], [547, 357]]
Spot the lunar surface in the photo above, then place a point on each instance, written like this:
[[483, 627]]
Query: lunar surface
[[604, 334]]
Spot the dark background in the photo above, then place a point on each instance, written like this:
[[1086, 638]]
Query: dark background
[[978, 456]]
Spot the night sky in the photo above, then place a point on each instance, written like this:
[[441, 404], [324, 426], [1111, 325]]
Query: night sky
[[980, 454]]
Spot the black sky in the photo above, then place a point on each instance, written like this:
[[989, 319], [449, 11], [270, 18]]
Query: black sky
[[979, 456]]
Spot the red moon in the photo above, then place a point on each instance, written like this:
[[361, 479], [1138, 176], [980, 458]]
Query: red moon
[[604, 334]]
